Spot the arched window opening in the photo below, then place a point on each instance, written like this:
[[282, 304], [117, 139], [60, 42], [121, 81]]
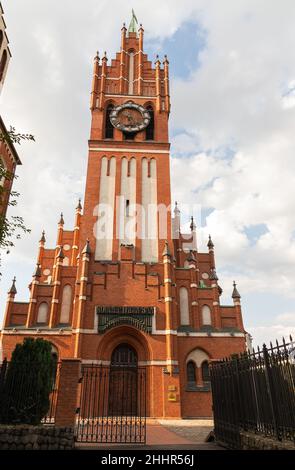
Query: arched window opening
[[205, 372], [191, 372], [42, 317], [109, 129], [206, 315], [131, 73], [3, 63], [66, 305], [150, 130], [184, 306]]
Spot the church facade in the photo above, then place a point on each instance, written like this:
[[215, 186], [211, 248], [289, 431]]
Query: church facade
[[125, 286]]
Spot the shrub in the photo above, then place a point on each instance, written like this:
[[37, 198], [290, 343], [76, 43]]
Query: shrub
[[28, 382]]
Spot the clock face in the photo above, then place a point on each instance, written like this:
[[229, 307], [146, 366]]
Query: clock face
[[130, 117]]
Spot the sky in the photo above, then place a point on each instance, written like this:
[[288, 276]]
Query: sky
[[232, 72]]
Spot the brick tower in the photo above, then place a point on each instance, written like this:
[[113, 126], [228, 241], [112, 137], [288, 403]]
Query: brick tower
[[126, 284]]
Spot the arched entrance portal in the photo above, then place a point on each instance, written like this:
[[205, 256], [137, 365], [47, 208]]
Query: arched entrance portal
[[123, 387]]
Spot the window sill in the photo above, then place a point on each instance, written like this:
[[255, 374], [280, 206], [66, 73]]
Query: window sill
[[196, 388]]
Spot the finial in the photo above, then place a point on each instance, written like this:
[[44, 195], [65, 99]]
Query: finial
[[37, 272], [124, 26], [166, 251], [210, 243], [61, 220], [166, 59], [42, 239], [191, 256], [60, 254], [79, 206], [12, 289], [86, 249], [176, 210], [213, 276], [235, 294]]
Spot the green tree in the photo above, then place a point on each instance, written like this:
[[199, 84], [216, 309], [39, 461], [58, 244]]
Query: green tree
[[28, 383], [12, 227]]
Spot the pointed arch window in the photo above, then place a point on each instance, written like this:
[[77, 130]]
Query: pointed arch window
[[191, 372], [66, 305], [184, 306], [150, 130], [205, 372], [42, 317], [206, 315], [109, 129]]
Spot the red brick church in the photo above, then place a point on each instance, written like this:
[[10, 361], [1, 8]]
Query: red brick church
[[125, 286]]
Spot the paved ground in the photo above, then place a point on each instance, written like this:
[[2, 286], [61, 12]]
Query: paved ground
[[168, 434]]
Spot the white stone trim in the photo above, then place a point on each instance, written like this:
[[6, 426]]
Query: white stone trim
[[39, 331], [83, 278], [33, 301], [215, 303], [82, 297], [125, 150], [194, 303], [167, 280], [167, 261], [194, 285], [55, 301], [168, 299]]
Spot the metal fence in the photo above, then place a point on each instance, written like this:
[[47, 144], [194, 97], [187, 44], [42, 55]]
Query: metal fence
[[112, 405], [255, 392], [16, 393]]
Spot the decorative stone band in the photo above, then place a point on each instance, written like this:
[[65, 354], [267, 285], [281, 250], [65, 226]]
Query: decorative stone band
[[33, 301], [166, 281], [124, 150], [55, 301], [82, 297], [155, 362], [194, 303], [168, 299], [215, 303], [194, 285], [83, 278], [56, 283], [52, 332], [167, 261]]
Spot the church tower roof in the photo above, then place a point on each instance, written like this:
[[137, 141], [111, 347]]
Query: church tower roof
[[133, 26]]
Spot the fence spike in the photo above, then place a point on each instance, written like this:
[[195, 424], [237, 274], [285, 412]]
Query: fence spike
[[291, 339]]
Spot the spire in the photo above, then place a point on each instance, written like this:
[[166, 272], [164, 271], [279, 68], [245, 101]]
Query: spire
[[165, 61], [12, 289], [60, 254], [213, 276], [210, 243], [43, 239], [193, 225], [86, 249], [96, 58], [37, 272], [133, 26], [61, 220], [235, 294], [166, 251], [79, 206]]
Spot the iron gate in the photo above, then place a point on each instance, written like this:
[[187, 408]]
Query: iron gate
[[112, 405]]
